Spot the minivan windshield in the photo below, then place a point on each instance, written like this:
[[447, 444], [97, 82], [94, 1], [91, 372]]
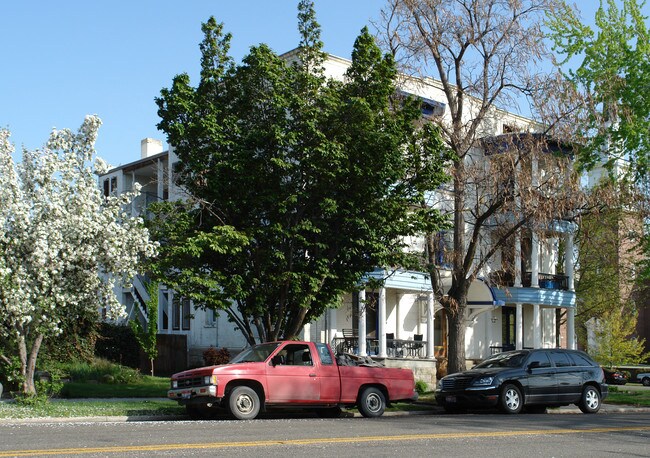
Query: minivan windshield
[[509, 359], [256, 353]]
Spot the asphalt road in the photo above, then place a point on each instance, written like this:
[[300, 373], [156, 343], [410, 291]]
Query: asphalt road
[[468, 435]]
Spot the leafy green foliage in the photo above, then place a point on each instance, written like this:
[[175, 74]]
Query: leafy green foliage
[[117, 344], [615, 343], [299, 185], [147, 338], [613, 73]]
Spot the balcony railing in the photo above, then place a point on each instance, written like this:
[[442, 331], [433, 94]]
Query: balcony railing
[[395, 348], [546, 281]]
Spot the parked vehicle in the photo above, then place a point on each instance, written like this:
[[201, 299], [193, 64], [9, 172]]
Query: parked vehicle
[[614, 377], [531, 379], [644, 378], [291, 374]]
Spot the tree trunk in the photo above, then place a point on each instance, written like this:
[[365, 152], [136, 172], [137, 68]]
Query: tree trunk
[[151, 360], [456, 341], [28, 363]]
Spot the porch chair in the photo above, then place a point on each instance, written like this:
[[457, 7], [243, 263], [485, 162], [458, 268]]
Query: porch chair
[[417, 345]]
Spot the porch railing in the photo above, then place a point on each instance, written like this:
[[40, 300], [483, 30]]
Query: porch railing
[[395, 348]]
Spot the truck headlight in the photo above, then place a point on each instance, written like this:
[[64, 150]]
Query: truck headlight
[[174, 384], [210, 380]]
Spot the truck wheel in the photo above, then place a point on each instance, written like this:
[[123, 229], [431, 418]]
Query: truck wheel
[[244, 403], [590, 400], [646, 381], [511, 400], [372, 402]]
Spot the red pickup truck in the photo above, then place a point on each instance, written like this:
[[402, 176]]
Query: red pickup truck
[[290, 374]]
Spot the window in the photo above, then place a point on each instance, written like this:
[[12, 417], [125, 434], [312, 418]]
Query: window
[[114, 186], [176, 315], [560, 359], [324, 354], [187, 316], [539, 359], [165, 310], [296, 355], [107, 189], [580, 360]]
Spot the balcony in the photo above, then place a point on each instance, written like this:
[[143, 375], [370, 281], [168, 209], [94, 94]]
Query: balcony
[[546, 281]]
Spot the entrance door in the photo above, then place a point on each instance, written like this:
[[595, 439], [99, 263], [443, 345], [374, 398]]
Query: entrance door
[[509, 331]]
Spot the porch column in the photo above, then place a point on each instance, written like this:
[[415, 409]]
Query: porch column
[[430, 323], [570, 328], [518, 259], [537, 331], [534, 257], [398, 316], [381, 323], [306, 332], [160, 177], [519, 325], [362, 323], [331, 326], [534, 261], [568, 261]]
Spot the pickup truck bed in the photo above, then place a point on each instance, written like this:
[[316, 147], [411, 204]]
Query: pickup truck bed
[[290, 374]]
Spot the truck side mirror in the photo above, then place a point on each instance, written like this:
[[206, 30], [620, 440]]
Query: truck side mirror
[[277, 360]]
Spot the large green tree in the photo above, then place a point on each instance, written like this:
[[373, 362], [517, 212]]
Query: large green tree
[[297, 185], [610, 65]]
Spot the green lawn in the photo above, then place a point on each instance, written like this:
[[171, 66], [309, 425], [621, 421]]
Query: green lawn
[[619, 395]]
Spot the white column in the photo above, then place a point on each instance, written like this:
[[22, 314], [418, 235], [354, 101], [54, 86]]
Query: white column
[[534, 261], [398, 316], [430, 326], [160, 179], [534, 257], [518, 259], [381, 323], [331, 326], [306, 332], [568, 261], [570, 328], [519, 327], [537, 330], [362, 323]]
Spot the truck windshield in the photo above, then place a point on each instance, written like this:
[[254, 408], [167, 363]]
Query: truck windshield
[[256, 353]]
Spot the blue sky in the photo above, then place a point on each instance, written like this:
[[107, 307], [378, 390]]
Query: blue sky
[[64, 60]]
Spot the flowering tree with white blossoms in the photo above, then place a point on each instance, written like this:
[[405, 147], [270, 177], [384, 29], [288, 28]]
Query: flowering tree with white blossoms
[[62, 243]]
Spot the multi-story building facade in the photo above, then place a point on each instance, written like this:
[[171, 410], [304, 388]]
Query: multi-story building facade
[[401, 321]]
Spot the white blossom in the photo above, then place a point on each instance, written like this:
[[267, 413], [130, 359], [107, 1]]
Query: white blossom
[[62, 244]]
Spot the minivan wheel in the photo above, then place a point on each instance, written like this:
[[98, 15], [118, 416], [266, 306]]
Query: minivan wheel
[[511, 401], [646, 381], [590, 400]]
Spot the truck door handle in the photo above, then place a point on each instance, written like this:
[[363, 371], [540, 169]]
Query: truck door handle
[[312, 375]]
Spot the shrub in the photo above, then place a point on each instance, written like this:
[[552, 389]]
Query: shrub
[[118, 344], [99, 369], [214, 357], [421, 387]]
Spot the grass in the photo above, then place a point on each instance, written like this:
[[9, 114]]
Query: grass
[[68, 409], [619, 395]]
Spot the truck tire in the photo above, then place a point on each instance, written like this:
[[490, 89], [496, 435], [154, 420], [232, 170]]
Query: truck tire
[[372, 402], [590, 400], [244, 403], [511, 401]]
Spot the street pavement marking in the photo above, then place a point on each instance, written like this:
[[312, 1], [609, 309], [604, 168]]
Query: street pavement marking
[[312, 441]]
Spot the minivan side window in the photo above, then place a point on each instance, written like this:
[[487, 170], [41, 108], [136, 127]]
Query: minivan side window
[[539, 359], [560, 359], [580, 360]]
